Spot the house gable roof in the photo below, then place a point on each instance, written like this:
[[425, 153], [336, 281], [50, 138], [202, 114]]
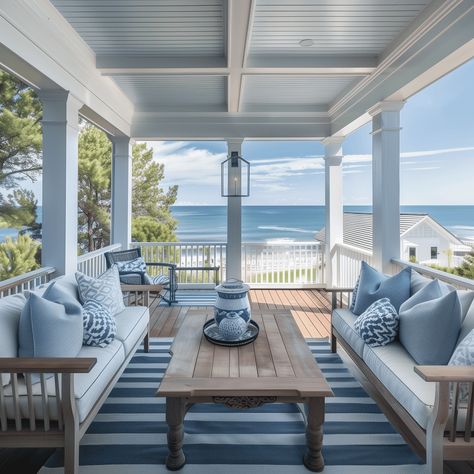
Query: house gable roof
[[358, 229]]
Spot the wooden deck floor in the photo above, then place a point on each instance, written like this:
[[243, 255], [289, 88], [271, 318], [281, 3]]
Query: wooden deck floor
[[310, 309]]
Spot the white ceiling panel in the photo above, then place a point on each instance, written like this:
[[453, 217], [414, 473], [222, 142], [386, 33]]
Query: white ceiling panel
[[175, 93], [291, 93], [341, 27], [149, 27]]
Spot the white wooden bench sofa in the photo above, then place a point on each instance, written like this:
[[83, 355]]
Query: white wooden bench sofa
[[57, 411]]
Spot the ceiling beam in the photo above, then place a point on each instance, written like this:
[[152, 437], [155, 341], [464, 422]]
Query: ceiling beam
[[240, 13], [322, 64], [113, 64], [149, 126]]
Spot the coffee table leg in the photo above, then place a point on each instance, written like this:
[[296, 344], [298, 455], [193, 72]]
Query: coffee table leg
[[175, 411], [313, 459]]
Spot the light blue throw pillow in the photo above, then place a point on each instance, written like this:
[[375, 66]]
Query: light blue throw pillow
[[100, 327], [374, 286], [430, 322], [378, 324], [104, 290], [50, 325]]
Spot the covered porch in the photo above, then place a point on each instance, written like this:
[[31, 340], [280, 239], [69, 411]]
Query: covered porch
[[232, 70]]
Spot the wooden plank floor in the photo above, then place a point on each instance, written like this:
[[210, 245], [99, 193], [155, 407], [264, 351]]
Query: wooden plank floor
[[310, 309]]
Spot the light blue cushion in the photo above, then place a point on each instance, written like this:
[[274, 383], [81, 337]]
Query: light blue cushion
[[430, 322], [378, 324], [343, 321], [99, 325], [374, 285], [50, 325], [104, 290]]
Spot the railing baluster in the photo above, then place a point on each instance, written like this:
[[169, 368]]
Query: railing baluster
[[31, 405], [3, 414], [45, 402], [16, 401], [58, 401]]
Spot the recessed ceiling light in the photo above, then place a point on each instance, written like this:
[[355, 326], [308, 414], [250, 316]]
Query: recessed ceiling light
[[306, 43]]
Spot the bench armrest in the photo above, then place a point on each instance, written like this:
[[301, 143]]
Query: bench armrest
[[49, 365], [339, 290], [445, 373], [155, 264]]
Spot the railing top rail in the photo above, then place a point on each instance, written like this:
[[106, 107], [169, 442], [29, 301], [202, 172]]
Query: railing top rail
[[355, 249], [283, 244], [173, 244], [447, 277], [25, 277], [95, 253]]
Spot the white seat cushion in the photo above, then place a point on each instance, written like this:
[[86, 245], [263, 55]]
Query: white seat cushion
[[131, 323], [343, 321], [394, 367], [10, 310], [87, 387]]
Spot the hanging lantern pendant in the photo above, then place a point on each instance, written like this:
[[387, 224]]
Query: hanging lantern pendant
[[235, 176]]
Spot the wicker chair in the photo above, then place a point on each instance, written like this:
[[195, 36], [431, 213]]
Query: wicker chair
[[169, 282]]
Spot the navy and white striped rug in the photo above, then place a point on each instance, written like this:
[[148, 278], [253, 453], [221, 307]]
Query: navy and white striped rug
[[193, 298], [129, 433]]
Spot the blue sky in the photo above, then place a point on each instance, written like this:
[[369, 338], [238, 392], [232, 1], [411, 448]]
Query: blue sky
[[437, 164]]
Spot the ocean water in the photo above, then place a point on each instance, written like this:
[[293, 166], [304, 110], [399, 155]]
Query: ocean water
[[270, 223], [294, 223]]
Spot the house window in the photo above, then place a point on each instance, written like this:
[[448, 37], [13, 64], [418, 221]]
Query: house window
[[412, 253], [434, 253]]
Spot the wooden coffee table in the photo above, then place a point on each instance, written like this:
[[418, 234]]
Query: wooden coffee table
[[277, 367]]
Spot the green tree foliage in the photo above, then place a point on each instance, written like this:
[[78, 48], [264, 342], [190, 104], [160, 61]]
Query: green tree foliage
[[95, 162], [18, 256], [20, 131], [151, 215], [466, 269], [151, 204]]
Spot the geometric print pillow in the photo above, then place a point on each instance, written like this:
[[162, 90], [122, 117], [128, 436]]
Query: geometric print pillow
[[100, 327], [378, 324], [135, 265], [464, 355], [104, 290]]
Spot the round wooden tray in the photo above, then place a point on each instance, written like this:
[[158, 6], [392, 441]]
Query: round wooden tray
[[211, 333]]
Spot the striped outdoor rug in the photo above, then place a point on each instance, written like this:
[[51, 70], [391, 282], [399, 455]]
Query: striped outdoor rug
[[129, 434], [193, 298]]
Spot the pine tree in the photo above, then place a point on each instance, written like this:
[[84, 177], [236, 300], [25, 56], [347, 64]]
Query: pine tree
[[95, 164], [18, 256]]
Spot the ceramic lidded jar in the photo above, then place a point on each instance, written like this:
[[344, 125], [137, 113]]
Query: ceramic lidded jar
[[232, 297]]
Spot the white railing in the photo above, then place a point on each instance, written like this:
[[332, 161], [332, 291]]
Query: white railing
[[283, 264], [458, 282], [26, 281], [279, 264], [200, 255], [347, 260], [93, 263]]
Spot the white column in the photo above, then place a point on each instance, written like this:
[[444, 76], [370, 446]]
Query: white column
[[386, 183], [60, 177], [121, 225], [334, 204], [234, 216]]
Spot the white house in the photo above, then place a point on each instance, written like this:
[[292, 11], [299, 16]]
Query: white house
[[422, 238]]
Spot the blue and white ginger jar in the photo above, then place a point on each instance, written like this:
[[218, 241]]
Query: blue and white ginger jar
[[232, 326], [232, 297]]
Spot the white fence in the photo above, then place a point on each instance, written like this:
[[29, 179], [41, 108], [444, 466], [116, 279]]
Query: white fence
[[27, 281], [283, 264], [93, 263], [347, 260], [279, 264]]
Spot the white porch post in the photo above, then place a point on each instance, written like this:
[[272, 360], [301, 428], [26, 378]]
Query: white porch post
[[60, 176], [121, 225], [234, 217], [334, 204], [386, 183]]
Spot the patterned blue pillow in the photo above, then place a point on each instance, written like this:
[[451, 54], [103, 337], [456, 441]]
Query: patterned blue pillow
[[100, 327], [354, 294], [104, 290], [135, 265], [378, 324]]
